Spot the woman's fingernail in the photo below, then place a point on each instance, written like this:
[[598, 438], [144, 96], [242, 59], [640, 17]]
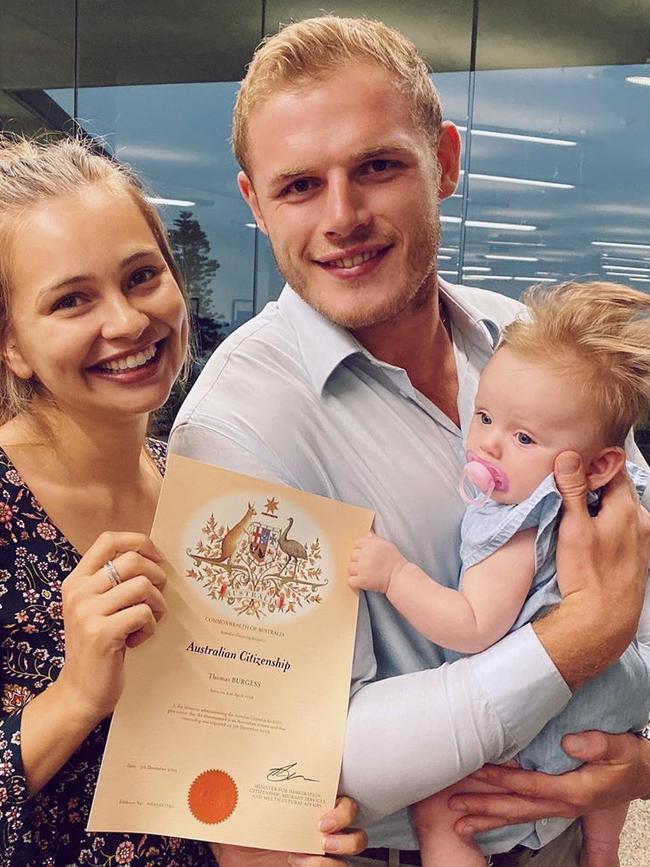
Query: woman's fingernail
[[480, 774], [331, 844], [327, 824], [296, 860], [457, 804], [467, 830]]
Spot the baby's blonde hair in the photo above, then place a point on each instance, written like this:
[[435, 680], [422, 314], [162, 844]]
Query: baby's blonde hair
[[316, 48], [599, 333], [32, 173]]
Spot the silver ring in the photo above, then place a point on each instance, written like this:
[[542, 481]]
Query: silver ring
[[112, 573]]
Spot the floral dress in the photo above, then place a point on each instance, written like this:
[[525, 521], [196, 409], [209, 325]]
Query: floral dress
[[48, 830]]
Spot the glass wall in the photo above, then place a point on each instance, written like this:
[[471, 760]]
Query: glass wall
[[553, 103], [557, 126]]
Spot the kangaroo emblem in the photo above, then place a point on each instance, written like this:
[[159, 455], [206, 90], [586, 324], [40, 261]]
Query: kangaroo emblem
[[230, 541]]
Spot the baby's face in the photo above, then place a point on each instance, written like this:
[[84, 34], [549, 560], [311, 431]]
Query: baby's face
[[525, 414]]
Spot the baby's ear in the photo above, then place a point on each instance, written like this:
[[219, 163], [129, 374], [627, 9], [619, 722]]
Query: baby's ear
[[604, 466]]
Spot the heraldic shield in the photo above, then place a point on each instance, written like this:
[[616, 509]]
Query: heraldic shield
[[255, 566]]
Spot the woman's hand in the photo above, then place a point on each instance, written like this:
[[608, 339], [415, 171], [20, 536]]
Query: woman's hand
[[103, 614], [102, 618], [339, 838]]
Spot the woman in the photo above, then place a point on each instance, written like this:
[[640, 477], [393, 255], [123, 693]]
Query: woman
[[93, 333]]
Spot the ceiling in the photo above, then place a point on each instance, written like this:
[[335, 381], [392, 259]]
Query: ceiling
[[157, 41]]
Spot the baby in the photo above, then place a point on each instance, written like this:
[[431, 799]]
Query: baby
[[575, 375]]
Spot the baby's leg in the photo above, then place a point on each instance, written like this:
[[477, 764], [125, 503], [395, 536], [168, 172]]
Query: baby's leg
[[601, 832], [440, 845]]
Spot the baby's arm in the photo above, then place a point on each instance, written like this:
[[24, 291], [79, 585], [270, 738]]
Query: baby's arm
[[467, 620]]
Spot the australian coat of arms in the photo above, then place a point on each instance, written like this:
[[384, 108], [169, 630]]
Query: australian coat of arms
[[254, 566]]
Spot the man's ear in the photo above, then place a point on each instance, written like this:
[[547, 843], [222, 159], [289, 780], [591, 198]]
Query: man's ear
[[14, 359], [603, 467], [448, 159], [250, 197]]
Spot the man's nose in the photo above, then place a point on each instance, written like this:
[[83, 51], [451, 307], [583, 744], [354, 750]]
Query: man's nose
[[123, 319], [346, 209]]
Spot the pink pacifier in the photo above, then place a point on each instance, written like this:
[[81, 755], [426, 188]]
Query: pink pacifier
[[482, 476]]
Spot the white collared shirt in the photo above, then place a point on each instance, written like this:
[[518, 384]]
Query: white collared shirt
[[291, 397]]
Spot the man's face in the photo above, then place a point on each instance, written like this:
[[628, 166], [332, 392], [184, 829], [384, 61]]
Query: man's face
[[347, 189]]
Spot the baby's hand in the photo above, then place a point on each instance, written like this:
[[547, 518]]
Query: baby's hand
[[373, 563]]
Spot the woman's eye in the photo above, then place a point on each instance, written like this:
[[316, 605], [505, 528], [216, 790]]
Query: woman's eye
[[144, 275], [67, 302], [524, 438], [485, 418]]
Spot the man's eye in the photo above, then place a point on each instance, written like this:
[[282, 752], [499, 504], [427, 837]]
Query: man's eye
[[524, 438], [378, 167], [299, 187], [485, 418]]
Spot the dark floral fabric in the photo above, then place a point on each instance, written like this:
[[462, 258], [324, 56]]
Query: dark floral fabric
[[49, 829]]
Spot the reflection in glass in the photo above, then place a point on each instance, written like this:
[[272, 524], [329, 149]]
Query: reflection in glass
[[575, 132]]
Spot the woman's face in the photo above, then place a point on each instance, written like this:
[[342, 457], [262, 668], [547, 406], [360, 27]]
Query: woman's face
[[96, 315]]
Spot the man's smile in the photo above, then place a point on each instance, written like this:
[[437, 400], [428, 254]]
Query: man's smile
[[354, 262]]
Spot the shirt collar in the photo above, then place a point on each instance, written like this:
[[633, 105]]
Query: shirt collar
[[323, 345], [335, 344], [468, 318]]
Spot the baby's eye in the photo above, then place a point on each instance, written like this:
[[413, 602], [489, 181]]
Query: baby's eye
[[524, 438], [485, 418]]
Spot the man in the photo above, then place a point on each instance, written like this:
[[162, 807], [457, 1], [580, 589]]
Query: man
[[358, 384]]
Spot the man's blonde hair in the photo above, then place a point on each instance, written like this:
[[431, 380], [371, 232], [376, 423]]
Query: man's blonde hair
[[316, 48], [31, 174], [600, 334]]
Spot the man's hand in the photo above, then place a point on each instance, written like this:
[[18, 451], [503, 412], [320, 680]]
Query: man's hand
[[338, 838], [601, 572], [373, 564], [616, 769]]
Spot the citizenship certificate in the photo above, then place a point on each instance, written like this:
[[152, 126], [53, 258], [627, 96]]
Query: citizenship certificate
[[231, 724]]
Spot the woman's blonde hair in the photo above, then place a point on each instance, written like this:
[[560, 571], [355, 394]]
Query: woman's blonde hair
[[317, 47], [599, 333], [31, 173]]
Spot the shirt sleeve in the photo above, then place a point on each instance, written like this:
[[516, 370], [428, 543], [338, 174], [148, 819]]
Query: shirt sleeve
[[203, 443], [411, 735], [415, 734]]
